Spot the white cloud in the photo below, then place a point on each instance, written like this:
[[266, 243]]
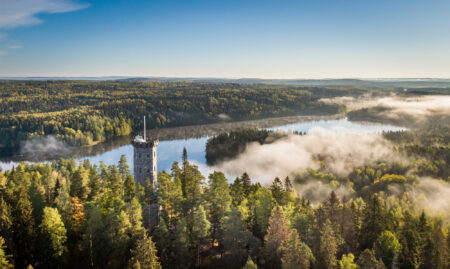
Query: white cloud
[[15, 47], [15, 13]]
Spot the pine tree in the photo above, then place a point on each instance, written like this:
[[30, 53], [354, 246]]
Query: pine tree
[[412, 244], [264, 204], [218, 201], [237, 192], [144, 256], [328, 247], [24, 230], [129, 189], [80, 184], [161, 237], [95, 184], [115, 182], [169, 197], [200, 230], [295, 253], [277, 234], [236, 238], [373, 223], [124, 170], [180, 255]]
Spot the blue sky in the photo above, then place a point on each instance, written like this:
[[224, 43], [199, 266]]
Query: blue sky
[[264, 39]]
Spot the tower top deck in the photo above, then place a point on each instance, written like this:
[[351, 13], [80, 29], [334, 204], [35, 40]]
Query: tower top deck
[[139, 142]]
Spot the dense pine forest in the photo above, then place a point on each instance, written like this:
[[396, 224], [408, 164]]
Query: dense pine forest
[[77, 215], [84, 113]]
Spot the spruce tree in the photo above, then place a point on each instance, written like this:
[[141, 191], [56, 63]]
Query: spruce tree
[[144, 255]]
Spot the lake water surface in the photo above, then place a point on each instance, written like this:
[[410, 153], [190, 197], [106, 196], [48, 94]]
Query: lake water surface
[[171, 150]]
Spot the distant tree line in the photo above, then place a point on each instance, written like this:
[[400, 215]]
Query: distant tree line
[[83, 113]]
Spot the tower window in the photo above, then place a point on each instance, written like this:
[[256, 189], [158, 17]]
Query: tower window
[[139, 155], [148, 155], [148, 170], [140, 170]]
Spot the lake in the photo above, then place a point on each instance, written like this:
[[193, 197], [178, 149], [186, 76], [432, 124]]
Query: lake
[[193, 138]]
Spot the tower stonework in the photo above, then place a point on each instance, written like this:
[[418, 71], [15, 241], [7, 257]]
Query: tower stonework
[[145, 160]]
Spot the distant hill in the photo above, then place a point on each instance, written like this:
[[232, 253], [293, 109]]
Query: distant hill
[[382, 83]]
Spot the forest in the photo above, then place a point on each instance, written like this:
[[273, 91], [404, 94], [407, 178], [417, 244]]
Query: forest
[[84, 113], [77, 215]]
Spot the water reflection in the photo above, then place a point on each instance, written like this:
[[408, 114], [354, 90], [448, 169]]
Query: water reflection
[[193, 138]]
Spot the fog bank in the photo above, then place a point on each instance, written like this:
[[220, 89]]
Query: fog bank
[[294, 154]]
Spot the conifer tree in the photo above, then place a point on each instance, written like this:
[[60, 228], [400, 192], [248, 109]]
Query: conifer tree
[[200, 230], [246, 183], [264, 204], [180, 254], [277, 190], [237, 192], [295, 253], [80, 184], [95, 184], [328, 247], [250, 264], [144, 256], [162, 239], [218, 201], [24, 230], [367, 260], [129, 188], [236, 238], [124, 170], [277, 234], [373, 223]]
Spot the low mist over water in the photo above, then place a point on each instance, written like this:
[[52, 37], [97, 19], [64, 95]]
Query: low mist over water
[[171, 150]]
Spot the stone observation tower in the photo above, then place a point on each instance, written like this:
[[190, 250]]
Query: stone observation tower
[[145, 160], [145, 167]]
